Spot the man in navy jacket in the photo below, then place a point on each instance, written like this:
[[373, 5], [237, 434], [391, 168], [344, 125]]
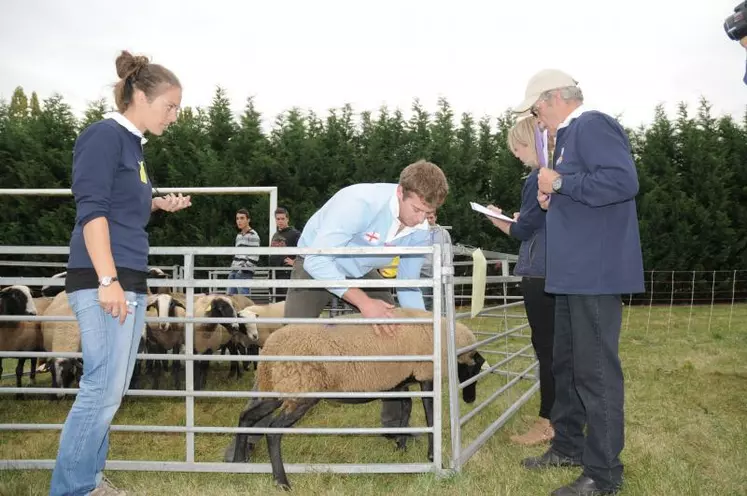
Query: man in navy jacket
[[593, 258]]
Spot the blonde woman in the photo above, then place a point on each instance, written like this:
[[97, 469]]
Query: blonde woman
[[526, 140]]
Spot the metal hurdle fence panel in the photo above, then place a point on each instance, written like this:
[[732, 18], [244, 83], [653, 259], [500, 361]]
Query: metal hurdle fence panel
[[498, 306], [190, 429]]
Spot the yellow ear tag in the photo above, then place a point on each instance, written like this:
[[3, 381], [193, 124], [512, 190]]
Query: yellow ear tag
[[143, 176], [209, 308]]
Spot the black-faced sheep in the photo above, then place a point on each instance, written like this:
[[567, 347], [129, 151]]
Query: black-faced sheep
[[51, 291], [156, 273], [238, 345], [343, 340], [19, 335], [208, 338]]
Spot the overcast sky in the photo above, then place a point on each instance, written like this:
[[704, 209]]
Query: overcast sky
[[318, 54]]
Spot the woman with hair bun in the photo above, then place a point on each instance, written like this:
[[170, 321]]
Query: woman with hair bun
[[108, 263]]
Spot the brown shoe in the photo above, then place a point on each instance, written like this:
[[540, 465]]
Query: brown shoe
[[106, 488], [540, 432]]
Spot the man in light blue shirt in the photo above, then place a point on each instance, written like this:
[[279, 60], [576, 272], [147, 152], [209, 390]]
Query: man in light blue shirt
[[369, 215]]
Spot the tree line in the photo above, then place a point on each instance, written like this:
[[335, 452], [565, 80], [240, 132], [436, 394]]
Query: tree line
[[692, 172]]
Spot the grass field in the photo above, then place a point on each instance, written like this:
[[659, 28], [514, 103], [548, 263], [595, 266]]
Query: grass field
[[686, 426]]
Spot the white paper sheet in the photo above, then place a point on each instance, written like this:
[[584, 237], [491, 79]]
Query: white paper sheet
[[483, 210]]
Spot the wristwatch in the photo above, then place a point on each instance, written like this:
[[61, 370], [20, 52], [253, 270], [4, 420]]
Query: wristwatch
[[557, 183], [107, 281]]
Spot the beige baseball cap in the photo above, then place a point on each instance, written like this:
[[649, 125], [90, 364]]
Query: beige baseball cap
[[544, 80]]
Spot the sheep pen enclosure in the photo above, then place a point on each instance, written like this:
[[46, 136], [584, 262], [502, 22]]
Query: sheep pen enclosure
[[204, 417]]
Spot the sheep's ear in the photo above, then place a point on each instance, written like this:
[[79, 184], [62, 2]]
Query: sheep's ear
[[178, 303], [151, 301]]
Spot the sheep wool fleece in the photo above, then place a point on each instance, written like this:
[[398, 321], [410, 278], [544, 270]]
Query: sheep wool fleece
[[351, 339]]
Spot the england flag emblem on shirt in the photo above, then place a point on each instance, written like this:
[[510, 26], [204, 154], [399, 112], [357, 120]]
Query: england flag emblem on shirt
[[372, 237]]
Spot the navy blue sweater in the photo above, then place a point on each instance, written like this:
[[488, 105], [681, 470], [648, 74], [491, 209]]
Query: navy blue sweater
[[593, 243], [110, 180], [530, 230]]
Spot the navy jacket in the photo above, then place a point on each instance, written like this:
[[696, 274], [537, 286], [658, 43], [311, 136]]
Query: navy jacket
[[110, 180], [593, 241], [530, 230]]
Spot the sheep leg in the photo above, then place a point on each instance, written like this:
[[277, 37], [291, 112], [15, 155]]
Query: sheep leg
[[234, 368], [253, 350], [428, 407], [176, 369], [257, 414], [157, 366], [396, 413], [201, 370], [19, 375], [285, 419], [32, 374]]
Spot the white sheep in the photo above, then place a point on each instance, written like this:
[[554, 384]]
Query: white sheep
[[343, 340]]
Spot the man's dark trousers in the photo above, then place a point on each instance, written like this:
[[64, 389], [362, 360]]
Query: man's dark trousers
[[589, 385]]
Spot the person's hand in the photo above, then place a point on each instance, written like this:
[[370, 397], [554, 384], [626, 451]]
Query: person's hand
[[545, 179], [288, 261], [378, 309], [172, 202], [501, 224], [743, 42], [543, 199], [516, 216], [112, 300]]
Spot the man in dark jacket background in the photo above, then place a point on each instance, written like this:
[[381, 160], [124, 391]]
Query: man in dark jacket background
[[285, 236]]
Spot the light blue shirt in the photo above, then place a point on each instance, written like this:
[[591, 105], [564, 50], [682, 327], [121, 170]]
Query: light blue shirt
[[363, 215]]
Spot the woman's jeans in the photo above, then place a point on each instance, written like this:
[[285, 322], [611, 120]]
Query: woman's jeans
[[109, 351]]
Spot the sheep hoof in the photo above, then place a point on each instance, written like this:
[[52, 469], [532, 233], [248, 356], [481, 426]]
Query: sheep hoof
[[402, 443]]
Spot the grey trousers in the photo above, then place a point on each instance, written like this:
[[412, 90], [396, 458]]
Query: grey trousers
[[309, 302]]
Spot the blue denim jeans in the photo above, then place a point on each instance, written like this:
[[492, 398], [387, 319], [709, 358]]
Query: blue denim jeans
[[240, 274], [109, 351]]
